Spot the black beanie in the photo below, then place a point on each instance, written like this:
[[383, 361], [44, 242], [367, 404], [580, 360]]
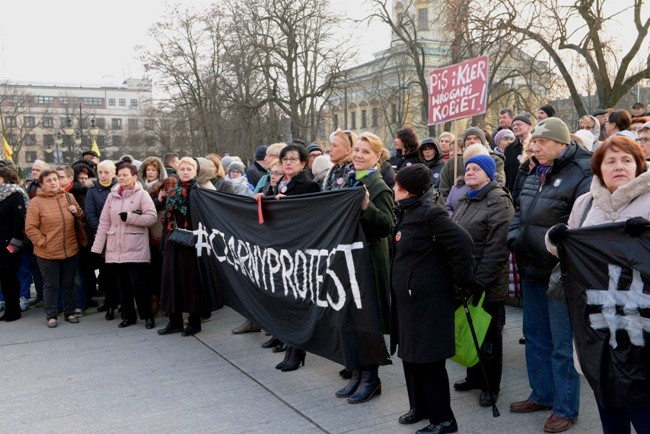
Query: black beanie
[[416, 179], [548, 109]]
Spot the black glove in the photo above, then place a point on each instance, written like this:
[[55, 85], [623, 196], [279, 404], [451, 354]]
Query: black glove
[[636, 226], [137, 211], [557, 233], [123, 216]]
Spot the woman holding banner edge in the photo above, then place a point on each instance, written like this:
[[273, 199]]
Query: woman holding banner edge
[[377, 222]]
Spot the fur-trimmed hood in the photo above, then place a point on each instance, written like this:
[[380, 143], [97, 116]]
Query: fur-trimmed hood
[[142, 171]]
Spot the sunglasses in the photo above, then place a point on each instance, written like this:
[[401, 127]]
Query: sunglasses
[[349, 134]]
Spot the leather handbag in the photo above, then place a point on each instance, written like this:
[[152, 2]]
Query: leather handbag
[[181, 236], [79, 229]]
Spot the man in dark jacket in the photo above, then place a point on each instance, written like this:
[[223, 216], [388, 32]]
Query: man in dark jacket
[[258, 169], [561, 174], [522, 124]]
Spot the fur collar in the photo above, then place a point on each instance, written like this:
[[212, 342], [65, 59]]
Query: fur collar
[[622, 196]]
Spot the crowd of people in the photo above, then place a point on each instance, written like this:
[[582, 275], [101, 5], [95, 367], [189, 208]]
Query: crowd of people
[[442, 217]]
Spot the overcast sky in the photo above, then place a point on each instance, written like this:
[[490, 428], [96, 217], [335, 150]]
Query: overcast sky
[[80, 42]]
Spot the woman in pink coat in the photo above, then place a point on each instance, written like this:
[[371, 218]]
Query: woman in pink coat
[[123, 236]]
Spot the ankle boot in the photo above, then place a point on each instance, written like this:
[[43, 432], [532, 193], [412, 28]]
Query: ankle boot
[[369, 386], [352, 386], [284, 361], [110, 314], [295, 359]]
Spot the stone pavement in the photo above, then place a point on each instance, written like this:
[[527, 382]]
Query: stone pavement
[[93, 377]]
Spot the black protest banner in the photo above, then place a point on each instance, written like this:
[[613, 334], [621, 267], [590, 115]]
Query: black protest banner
[[607, 282], [303, 274]]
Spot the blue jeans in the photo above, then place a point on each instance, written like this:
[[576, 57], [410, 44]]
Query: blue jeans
[[549, 352]]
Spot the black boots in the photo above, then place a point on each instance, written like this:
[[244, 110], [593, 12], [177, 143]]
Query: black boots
[[369, 386], [347, 391], [292, 359], [171, 327]]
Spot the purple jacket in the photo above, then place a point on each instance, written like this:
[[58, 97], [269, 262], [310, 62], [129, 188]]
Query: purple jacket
[[125, 241]]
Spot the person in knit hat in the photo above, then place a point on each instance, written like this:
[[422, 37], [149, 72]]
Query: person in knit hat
[[545, 111], [431, 256], [486, 163], [258, 169], [502, 139], [561, 174]]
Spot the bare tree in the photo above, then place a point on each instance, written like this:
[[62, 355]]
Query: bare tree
[[578, 29], [298, 56]]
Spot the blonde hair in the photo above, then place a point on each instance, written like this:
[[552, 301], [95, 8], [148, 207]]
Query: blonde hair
[[346, 135], [108, 165], [275, 149], [451, 136], [191, 161], [475, 149], [375, 142], [221, 173]]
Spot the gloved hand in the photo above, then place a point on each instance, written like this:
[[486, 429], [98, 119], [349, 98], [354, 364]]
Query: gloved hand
[[123, 216], [557, 233], [636, 226]]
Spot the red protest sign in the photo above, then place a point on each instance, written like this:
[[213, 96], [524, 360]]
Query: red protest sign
[[458, 91]]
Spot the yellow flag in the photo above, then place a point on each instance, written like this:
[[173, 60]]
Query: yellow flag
[[8, 151], [95, 148]]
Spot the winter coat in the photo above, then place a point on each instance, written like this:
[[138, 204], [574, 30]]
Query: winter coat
[[13, 206], [520, 179], [241, 186], [125, 241], [50, 225], [300, 184], [487, 218], [387, 174], [447, 173], [542, 205], [223, 186], [402, 160], [512, 153], [255, 172], [435, 165], [95, 199], [377, 223], [432, 254]]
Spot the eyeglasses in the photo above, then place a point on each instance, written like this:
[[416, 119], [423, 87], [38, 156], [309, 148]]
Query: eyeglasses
[[235, 171], [290, 160], [643, 140], [349, 134], [277, 173]]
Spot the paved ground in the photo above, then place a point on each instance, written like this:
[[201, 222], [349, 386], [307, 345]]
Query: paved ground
[[93, 377]]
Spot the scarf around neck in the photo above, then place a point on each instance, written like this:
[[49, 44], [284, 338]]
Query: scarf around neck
[[177, 203], [7, 190]]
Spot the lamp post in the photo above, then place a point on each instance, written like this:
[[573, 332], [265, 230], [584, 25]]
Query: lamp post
[[69, 131], [58, 141]]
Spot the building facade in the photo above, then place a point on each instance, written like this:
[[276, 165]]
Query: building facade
[[32, 117]]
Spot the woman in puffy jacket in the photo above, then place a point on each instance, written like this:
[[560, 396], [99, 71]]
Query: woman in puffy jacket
[[123, 234], [50, 225]]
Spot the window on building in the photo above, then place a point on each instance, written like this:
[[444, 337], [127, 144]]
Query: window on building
[[393, 113], [48, 140], [148, 124], [375, 116], [116, 123], [353, 120], [29, 121], [117, 141], [133, 103], [62, 122], [423, 18], [101, 123], [336, 121], [364, 119], [30, 156], [48, 122], [30, 139], [64, 100], [133, 124], [93, 101], [111, 102], [43, 99], [122, 102], [10, 121], [12, 139]]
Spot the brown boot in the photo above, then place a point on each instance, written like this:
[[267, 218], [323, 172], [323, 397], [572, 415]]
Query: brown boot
[[246, 327]]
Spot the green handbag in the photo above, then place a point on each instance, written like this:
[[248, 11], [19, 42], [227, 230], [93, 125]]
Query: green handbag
[[466, 354]]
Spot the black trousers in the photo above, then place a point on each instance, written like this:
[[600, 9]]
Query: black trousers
[[131, 279], [491, 350], [107, 281], [428, 389], [11, 286]]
